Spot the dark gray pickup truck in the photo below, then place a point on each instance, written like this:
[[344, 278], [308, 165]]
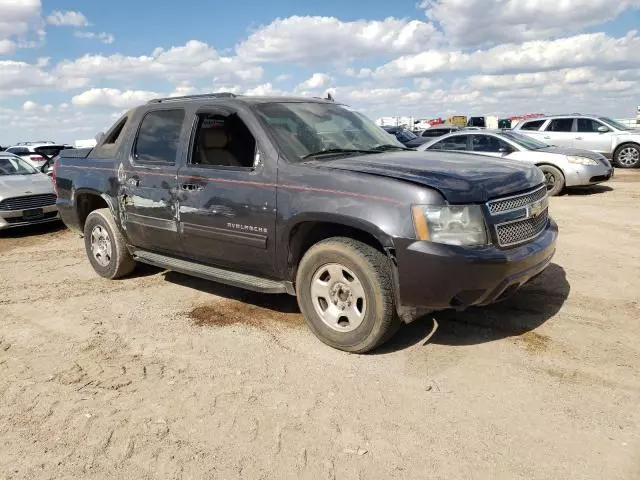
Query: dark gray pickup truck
[[306, 197]]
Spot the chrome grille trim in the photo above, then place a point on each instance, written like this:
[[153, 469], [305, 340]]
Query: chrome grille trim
[[508, 204], [27, 202], [521, 231]]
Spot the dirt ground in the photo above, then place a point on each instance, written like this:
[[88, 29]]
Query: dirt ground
[[164, 376]]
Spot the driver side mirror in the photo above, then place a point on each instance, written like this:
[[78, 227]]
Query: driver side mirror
[[603, 129], [504, 150]]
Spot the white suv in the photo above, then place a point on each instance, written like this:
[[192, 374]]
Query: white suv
[[589, 132], [37, 153]]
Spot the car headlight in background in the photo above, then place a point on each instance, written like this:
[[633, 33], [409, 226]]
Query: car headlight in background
[[581, 160], [451, 224]]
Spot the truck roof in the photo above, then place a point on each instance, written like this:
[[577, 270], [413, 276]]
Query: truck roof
[[225, 97]]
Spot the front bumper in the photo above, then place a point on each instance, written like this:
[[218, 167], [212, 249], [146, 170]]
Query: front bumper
[[436, 276], [581, 175], [15, 218]]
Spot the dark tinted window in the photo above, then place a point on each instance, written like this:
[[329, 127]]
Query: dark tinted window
[[560, 125], [158, 136], [588, 125], [18, 151], [457, 142], [534, 125], [488, 143], [436, 132]]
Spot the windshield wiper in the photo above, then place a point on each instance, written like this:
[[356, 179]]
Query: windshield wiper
[[384, 147], [330, 151]]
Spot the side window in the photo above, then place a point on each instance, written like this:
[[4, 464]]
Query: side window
[[158, 137], [115, 133], [489, 143], [223, 140], [458, 142], [588, 125], [18, 151], [560, 125], [533, 125]]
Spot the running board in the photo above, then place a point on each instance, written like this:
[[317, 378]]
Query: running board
[[241, 280]]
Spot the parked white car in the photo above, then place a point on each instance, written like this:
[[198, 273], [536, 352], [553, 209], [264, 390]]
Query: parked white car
[[562, 167], [37, 153], [590, 132], [26, 194]]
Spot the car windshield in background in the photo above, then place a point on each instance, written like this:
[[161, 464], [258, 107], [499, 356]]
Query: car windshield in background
[[524, 141], [305, 129], [15, 166], [613, 123], [406, 135]]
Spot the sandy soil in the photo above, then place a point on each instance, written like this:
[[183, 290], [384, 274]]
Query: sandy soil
[[164, 376]]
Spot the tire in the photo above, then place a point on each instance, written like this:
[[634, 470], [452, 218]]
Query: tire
[[105, 247], [627, 156], [357, 277], [554, 178]]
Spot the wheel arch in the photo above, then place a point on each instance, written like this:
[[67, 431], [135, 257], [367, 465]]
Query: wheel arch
[[86, 200]]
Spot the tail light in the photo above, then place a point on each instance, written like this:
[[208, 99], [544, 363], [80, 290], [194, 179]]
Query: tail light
[[54, 176], [36, 158]]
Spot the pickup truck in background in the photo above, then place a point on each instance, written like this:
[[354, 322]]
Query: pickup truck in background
[[306, 197]]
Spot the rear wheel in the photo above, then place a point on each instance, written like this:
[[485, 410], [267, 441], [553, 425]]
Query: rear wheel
[[105, 246], [627, 156], [554, 179], [345, 292]]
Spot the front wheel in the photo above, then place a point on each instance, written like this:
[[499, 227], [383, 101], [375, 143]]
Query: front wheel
[[105, 246], [345, 292], [627, 156], [554, 179]]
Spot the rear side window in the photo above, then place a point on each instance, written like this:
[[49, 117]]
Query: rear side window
[[18, 151], [534, 125], [457, 142], [158, 137], [560, 125]]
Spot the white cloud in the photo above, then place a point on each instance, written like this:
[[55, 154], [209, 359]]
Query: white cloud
[[594, 49], [18, 20], [102, 36], [112, 97], [317, 80], [19, 78], [362, 73], [68, 18], [195, 59], [263, 90], [477, 22], [283, 78], [312, 39], [29, 106]]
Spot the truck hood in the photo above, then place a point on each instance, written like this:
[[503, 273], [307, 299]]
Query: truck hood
[[459, 177], [19, 185]]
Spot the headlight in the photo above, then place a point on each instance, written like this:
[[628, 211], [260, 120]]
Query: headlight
[[451, 224], [581, 160]]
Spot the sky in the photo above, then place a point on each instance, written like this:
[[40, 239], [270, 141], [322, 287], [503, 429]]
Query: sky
[[69, 68]]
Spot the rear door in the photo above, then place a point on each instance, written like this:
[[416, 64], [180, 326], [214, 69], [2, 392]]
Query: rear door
[[559, 132], [150, 184], [589, 138], [227, 203]]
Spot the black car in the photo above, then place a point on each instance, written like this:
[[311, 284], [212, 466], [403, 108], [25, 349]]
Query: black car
[[406, 136], [306, 197]]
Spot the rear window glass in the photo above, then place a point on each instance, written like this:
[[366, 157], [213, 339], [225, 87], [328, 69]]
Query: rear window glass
[[560, 125], [534, 125], [457, 142]]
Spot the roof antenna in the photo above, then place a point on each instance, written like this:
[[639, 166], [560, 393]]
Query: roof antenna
[[329, 97]]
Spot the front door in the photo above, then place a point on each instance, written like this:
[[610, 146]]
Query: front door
[[227, 202], [150, 184], [559, 132], [589, 138]]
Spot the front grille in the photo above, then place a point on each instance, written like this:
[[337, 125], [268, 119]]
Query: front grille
[[512, 203], [521, 231], [21, 219], [26, 202]]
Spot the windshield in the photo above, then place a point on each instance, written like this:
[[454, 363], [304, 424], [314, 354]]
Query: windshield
[[305, 128], [614, 124], [406, 135], [15, 166], [524, 141]]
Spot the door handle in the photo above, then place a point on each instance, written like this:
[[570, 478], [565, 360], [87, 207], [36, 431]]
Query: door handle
[[191, 187], [579, 138], [547, 138]]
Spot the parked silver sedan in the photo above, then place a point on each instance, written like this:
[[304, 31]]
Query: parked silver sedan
[[562, 167], [26, 194]]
